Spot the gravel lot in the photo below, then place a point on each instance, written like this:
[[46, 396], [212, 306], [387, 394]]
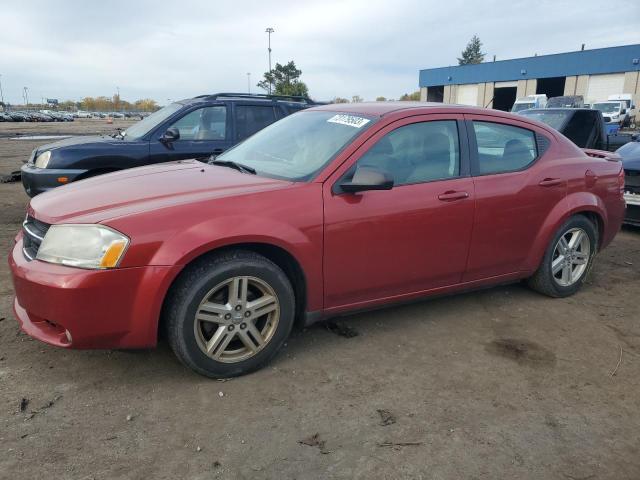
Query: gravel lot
[[501, 383]]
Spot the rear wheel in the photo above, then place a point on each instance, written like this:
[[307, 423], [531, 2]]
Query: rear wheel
[[568, 259], [230, 314]]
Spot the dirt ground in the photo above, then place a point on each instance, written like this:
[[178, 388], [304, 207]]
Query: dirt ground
[[501, 383]]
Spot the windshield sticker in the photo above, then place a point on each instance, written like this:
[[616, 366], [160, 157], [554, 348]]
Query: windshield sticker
[[350, 120]]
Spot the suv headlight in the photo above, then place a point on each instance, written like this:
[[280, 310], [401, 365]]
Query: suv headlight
[[42, 160], [83, 246]]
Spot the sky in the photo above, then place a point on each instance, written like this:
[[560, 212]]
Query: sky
[[70, 49]]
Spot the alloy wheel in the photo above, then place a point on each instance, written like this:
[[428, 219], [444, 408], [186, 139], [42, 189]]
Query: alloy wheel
[[236, 319], [570, 257]]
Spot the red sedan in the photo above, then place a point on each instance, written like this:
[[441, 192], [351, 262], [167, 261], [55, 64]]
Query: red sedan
[[333, 209]]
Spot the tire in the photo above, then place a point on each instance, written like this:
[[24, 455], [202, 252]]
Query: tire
[[561, 283], [224, 339]]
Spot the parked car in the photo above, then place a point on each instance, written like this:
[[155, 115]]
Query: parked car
[[193, 128], [5, 117], [530, 101], [566, 101], [585, 127], [333, 209], [83, 114], [630, 154], [19, 117], [615, 111]]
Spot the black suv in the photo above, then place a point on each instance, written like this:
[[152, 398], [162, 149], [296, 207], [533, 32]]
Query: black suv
[[195, 128]]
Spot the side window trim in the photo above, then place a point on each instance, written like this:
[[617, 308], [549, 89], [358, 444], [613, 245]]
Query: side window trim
[[464, 149], [541, 146]]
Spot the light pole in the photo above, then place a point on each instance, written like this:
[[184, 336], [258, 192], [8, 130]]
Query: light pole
[[119, 104], [269, 31], [1, 94], [249, 82], [26, 96]]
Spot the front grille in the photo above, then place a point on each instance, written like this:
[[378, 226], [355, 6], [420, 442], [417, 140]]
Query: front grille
[[632, 181], [34, 232]]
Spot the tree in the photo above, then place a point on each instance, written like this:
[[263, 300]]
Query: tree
[[410, 97], [472, 54], [284, 80], [339, 100], [381, 99], [357, 99]]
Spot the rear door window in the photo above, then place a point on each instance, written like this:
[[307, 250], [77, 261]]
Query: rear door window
[[503, 148], [252, 118]]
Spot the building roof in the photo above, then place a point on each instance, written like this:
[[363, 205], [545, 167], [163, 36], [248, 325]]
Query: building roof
[[586, 62]]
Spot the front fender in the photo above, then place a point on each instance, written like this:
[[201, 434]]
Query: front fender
[[573, 203], [304, 245]]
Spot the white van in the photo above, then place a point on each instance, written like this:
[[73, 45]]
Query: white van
[[616, 110], [530, 101], [627, 98]]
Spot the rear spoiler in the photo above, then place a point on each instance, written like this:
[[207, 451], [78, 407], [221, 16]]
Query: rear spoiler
[[609, 156]]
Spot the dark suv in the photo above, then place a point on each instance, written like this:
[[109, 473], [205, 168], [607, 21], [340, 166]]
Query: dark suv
[[195, 128]]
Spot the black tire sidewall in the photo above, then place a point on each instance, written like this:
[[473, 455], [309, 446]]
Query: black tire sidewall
[[195, 291]]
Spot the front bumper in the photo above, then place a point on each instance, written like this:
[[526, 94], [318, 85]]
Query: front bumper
[[75, 308], [39, 180], [632, 213]]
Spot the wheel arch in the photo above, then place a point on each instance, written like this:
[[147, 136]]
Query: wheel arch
[[579, 203], [283, 258]]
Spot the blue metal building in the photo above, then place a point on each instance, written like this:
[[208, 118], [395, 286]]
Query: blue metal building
[[594, 74]]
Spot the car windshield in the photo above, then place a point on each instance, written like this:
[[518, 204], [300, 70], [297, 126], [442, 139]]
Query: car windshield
[[607, 107], [141, 128], [298, 146], [518, 107], [552, 118]]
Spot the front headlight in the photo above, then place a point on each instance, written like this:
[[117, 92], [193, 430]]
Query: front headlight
[[42, 160], [83, 246]]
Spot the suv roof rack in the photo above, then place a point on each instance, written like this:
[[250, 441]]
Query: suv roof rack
[[261, 96]]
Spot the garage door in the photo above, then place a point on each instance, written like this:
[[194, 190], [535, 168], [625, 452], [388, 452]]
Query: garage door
[[601, 86], [468, 95]]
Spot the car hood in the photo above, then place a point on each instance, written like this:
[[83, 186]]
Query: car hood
[[140, 189], [75, 141], [630, 154]]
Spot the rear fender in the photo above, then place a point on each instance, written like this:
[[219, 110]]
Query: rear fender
[[574, 203]]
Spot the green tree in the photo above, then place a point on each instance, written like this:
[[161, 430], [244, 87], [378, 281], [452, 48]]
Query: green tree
[[472, 54], [381, 99], [410, 97], [284, 80]]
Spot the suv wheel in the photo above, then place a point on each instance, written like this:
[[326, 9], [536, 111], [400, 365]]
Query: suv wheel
[[230, 314], [568, 259]]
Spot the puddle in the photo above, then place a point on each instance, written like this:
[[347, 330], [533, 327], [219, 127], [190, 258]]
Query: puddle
[[40, 137]]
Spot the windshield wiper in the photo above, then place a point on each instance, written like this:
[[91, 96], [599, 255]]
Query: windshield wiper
[[238, 166]]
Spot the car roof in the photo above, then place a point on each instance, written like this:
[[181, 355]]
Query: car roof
[[379, 109]]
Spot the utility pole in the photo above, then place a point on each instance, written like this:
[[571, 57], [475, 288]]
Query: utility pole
[[25, 91], [249, 82], [1, 94], [269, 31], [119, 103]]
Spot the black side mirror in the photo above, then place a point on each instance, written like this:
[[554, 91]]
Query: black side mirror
[[171, 135], [367, 178]]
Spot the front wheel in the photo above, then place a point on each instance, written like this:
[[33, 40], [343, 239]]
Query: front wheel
[[568, 259], [229, 314]]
